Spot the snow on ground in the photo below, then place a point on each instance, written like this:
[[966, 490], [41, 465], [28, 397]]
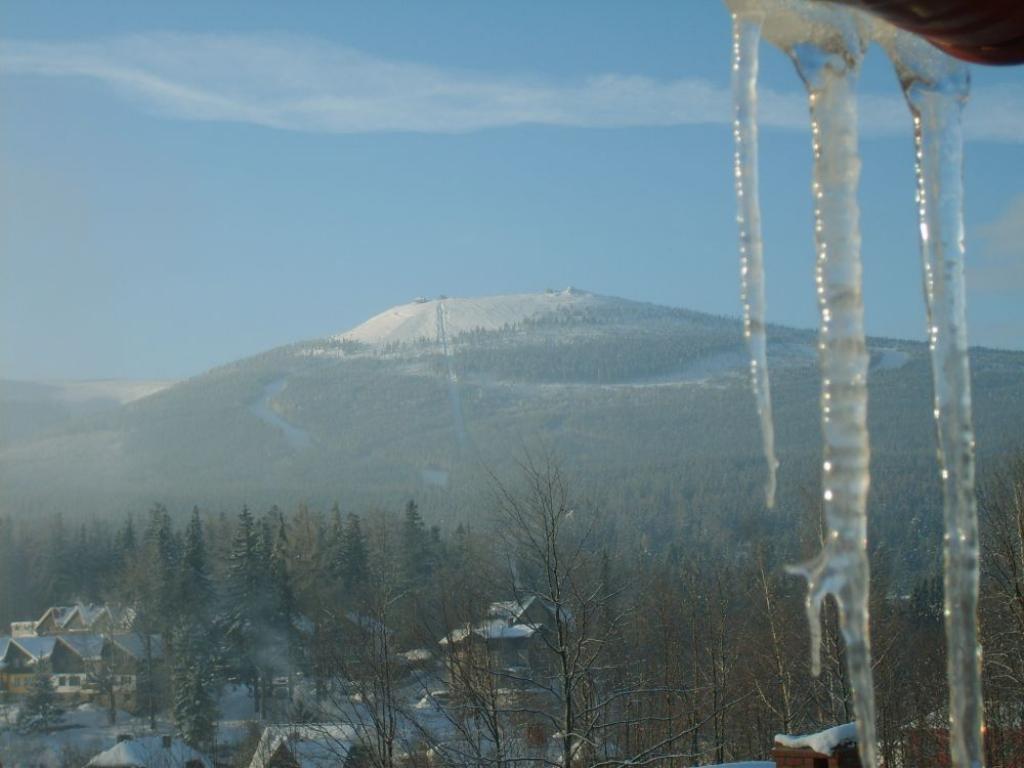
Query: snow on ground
[[85, 730], [418, 319], [824, 742], [263, 409]]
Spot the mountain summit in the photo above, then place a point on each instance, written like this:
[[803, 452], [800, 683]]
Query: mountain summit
[[417, 320], [426, 399]]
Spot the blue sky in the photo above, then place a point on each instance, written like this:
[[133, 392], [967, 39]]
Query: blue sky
[[182, 184]]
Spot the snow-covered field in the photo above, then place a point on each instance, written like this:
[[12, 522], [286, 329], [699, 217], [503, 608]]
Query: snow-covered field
[[86, 731]]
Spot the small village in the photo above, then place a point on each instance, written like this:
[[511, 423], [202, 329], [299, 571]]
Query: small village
[[80, 671]]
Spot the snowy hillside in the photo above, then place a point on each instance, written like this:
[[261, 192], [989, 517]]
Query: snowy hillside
[[31, 408], [418, 319], [631, 395], [118, 391]]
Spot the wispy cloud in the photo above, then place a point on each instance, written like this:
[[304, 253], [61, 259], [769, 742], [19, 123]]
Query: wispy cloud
[[309, 85]]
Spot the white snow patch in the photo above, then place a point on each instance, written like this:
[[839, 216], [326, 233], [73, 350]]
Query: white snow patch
[[317, 745], [888, 359], [120, 391], [418, 319], [824, 742], [149, 752], [264, 410]]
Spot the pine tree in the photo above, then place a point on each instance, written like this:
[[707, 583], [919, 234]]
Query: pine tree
[[415, 557], [246, 603], [284, 608], [195, 686], [244, 576], [280, 577], [353, 564], [163, 555], [196, 588], [40, 711], [59, 565]]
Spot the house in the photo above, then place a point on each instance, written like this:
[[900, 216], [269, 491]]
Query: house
[[525, 610], [80, 617], [832, 748], [75, 659], [23, 656], [307, 746], [509, 640], [150, 752]]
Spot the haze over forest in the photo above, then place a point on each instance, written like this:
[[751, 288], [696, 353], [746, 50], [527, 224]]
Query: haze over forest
[[376, 388]]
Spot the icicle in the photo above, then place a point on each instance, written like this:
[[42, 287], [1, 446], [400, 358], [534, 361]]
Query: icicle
[[936, 88], [825, 44], [746, 36]]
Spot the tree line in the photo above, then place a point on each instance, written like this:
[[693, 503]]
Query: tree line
[[693, 651]]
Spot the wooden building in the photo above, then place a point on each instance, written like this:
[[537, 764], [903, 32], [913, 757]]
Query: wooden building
[[833, 748]]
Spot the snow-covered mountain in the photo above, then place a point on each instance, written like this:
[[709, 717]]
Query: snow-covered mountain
[[417, 320], [646, 404]]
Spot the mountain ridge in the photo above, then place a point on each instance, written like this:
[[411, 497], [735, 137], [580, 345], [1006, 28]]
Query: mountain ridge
[[648, 406]]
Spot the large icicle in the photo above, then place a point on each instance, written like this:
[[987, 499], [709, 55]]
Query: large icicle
[[746, 37], [936, 88], [826, 45]]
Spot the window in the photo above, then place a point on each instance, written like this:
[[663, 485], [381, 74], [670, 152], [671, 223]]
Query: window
[[62, 681]]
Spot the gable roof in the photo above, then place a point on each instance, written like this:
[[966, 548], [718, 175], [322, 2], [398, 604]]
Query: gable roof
[[86, 646], [86, 614], [148, 752], [310, 746], [59, 614], [824, 743], [134, 644], [495, 629], [37, 648], [89, 614], [510, 610]]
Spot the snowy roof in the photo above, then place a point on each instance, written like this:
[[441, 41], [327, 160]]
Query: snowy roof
[[148, 752], [311, 746], [134, 644], [417, 654], [60, 614], [496, 629], [89, 613], [510, 610], [86, 646], [38, 648], [824, 742]]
